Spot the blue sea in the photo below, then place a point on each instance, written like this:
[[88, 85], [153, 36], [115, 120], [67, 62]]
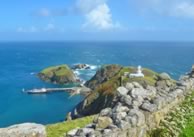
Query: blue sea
[[21, 61]]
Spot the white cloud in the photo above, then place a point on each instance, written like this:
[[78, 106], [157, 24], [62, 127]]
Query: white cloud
[[50, 27], [177, 8], [184, 9], [23, 30], [97, 14], [44, 12]]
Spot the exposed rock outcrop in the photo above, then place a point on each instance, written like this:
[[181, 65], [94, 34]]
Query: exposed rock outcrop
[[81, 66], [59, 75], [138, 109], [24, 130], [104, 74], [105, 83]]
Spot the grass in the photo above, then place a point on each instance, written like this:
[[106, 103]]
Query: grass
[[180, 122], [102, 95], [60, 129], [189, 130], [59, 70]]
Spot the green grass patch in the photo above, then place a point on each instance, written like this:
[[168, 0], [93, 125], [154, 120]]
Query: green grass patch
[[58, 70], [180, 122], [60, 129], [189, 130]]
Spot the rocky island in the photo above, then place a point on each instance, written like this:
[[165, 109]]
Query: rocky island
[[122, 106], [61, 74]]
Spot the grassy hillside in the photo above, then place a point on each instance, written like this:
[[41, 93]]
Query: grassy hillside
[[58, 74], [104, 92], [59, 129]]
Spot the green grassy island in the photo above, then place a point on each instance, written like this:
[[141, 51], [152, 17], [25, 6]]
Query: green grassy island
[[61, 74]]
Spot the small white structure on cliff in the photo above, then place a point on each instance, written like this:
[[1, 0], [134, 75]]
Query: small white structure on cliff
[[138, 74]]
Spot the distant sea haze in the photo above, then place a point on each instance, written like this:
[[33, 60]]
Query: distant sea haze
[[20, 62]]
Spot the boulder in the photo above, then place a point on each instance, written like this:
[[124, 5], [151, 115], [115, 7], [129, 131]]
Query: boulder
[[142, 93], [119, 116], [164, 76], [106, 112], [81, 66], [122, 91], [129, 86], [137, 101], [103, 122], [24, 130], [136, 85], [160, 102], [119, 108], [127, 100], [139, 115], [124, 125], [149, 107], [84, 131], [72, 133]]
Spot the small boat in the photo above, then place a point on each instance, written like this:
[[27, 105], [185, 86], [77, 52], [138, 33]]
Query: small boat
[[37, 91]]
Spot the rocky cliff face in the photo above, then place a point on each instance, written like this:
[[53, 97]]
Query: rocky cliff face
[[138, 109], [108, 79], [104, 74], [24, 130], [58, 75]]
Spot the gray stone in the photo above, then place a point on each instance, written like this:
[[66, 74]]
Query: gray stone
[[103, 122], [129, 86], [161, 85], [107, 131], [124, 125], [136, 92], [84, 131], [96, 133], [119, 116], [149, 107], [72, 133], [106, 112], [164, 76], [139, 115], [136, 103], [122, 91], [24, 130], [127, 100], [120, 108], [132, 120], [136, 85], [160, 102]]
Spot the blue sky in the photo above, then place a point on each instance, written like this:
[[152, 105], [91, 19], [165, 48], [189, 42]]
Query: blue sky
[[158, 20]]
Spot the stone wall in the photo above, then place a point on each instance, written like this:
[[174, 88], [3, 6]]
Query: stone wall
[[138, 109]]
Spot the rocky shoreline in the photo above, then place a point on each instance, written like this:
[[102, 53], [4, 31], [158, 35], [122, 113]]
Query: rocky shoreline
[[125, 107]]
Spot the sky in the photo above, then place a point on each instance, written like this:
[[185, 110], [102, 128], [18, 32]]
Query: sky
[[58, 20]]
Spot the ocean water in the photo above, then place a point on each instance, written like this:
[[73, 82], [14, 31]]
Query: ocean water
[[20, 61]]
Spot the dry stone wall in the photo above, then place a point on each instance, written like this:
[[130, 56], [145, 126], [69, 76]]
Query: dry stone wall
[[138, 109]]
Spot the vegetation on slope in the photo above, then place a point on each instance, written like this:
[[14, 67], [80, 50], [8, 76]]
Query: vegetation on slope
[[60, 129], [180, 122], [58, 74], [105, 88]]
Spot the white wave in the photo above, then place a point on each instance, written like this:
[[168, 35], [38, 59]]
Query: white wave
[[32, 73], [76, 72]]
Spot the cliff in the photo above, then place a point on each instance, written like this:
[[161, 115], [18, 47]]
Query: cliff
[[108, 79], [58, 75], [140, 110]]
